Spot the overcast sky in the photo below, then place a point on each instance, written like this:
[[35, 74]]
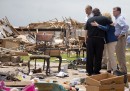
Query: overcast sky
[[23, 12]]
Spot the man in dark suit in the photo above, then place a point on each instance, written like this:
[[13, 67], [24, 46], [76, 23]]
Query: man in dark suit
[[95, 42]]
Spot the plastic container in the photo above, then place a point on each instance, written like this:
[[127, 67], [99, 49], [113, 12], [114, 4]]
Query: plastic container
[[64, 68]]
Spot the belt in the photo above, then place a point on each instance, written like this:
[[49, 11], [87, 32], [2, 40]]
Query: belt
[[121, 36], [96, 37]]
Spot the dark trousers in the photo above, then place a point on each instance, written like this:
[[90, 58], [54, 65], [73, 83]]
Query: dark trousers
[[95, 48]]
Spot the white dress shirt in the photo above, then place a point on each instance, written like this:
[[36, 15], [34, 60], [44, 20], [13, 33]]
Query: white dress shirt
[[88, 16]]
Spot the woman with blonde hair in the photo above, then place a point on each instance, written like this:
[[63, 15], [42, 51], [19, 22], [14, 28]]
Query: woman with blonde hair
[[111, 41]]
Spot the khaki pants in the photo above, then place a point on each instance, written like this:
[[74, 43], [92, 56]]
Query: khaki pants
[[111, 64], [120, 52]]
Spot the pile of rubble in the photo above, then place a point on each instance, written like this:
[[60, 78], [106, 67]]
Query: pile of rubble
[[55, 24], [14, 43], [10, 38]]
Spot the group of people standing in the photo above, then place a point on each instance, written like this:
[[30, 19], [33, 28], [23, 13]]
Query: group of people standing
[[102, 34]]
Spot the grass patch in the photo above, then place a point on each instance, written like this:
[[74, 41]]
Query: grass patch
[[73, 57], [53, 59]]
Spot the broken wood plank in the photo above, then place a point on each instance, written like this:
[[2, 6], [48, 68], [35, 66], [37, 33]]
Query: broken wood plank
[[18, 83]]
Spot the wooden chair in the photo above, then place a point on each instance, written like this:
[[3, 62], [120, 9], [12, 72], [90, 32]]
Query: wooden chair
[[47, 48], [45, 58], [81, 43], [73, 46]]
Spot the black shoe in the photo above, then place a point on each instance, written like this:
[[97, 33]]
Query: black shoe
[[118, 73], [89, 74], [109, 71]]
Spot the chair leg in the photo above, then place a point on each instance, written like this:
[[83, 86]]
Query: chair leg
[[44, 64], [29, 66], [35, 63], [48, 66], [60, 61], [77, 53], [83, 53]]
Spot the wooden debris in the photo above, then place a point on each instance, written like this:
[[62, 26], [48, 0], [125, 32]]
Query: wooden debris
[[18, 83]]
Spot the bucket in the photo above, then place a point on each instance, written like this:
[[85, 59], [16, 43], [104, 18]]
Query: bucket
[[64, 68]]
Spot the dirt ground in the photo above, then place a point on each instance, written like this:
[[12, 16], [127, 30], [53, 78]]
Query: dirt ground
[[71, 75], [54, 70]]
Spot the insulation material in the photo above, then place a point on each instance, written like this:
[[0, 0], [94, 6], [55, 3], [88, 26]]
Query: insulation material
[[27, 39], [7, 29]]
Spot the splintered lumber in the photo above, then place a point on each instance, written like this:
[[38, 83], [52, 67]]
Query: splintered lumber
[[14, 30], [18, 83], [12, 52]]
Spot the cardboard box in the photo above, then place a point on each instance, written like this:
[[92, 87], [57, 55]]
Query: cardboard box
[[128, 75], [112, 87], [105, 82]]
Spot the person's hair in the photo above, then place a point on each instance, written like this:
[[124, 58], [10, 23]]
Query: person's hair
[[108, 15], [96, 12], [118, 9], [88, 6]]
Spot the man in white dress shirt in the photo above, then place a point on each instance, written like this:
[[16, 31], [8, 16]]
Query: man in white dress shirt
[[88, 11]]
